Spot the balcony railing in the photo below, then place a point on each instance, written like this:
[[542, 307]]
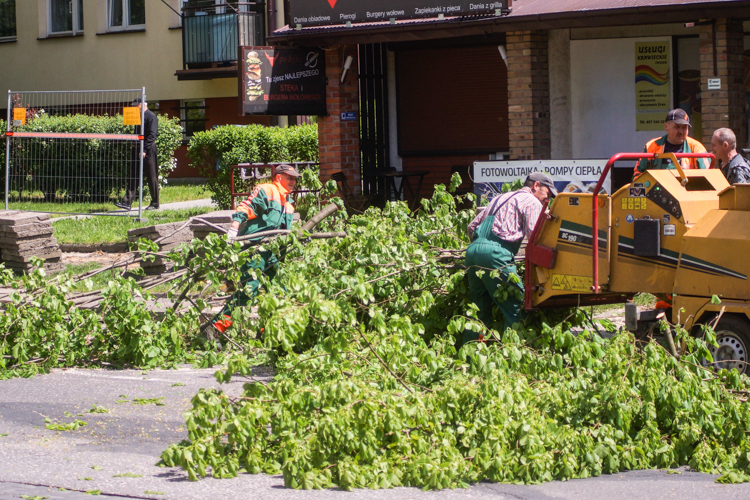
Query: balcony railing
[[211, 33]]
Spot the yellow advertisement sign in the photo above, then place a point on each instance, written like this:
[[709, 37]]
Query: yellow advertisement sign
[[653, 94], [19, 115], [569, 282], [131, 116]]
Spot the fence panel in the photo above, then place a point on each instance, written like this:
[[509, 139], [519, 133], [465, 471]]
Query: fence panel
[[73, 152]]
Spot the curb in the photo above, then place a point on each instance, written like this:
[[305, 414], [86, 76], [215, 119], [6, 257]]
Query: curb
[[99, 247]]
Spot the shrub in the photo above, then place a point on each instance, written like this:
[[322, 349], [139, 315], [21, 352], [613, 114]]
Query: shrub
[[214, 151], [168, 140], [94, 162]]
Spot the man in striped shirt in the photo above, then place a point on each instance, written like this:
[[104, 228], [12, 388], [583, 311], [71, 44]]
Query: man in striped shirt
[[496, 235]]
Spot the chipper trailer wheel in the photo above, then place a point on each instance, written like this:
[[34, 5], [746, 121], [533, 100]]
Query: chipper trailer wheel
[[733, 340]]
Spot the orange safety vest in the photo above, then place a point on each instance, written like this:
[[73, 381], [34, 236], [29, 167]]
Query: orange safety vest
[[657, 146]]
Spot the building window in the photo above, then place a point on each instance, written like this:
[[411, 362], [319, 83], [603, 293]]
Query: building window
[[7, 19], [64, 16], [192, 117], [126, 14]]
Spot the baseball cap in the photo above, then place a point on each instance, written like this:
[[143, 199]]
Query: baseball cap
[[678, 116], [288, 170], [544, 180], [137, 100]]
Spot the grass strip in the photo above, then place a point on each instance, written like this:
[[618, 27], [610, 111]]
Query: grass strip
[[96, 230], [168, 194]]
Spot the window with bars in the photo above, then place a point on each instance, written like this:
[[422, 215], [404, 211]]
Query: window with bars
[[192, 117], [7, 19], [64, 17], [126, 14]]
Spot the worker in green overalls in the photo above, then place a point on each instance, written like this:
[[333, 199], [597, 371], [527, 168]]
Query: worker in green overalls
[[496, 235], [268, 207]]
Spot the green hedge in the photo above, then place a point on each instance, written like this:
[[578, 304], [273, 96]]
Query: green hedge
[[84, 169], [213, 151]]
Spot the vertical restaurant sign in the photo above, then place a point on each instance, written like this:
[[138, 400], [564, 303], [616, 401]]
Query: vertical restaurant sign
[[653, 95], [281, 81], [322, 12]]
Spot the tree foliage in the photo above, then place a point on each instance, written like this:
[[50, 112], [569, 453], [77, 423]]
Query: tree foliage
[[370, 391]]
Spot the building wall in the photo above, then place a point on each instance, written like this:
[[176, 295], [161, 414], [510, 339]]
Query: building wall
[[633, 31], [724, 107], [603, 97], [561, 133], [338, 142], [102, 61], [528, 95]]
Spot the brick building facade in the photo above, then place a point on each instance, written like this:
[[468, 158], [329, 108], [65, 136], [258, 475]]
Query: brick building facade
[[338, 141], [528, 95], [725, 61], [713, 50]]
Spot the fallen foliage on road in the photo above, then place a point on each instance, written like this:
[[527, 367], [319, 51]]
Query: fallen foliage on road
[[370, 391]]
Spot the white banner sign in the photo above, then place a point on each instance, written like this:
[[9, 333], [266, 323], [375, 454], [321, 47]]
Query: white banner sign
[[569, 176]]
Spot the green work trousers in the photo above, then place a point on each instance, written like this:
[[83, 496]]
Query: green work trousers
[[487, 253], [263, 262]]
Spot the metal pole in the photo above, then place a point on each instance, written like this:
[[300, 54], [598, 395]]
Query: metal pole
[[140, 156], [7, 155]]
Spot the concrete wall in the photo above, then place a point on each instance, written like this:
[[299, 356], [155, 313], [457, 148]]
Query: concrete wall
[[102, 61], [603, 97], [561, 133]]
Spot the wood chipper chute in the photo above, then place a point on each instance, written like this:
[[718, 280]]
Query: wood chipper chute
[[682, 235]]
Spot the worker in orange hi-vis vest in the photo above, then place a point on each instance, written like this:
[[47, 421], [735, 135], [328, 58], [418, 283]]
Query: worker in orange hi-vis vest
[[268, 207], [676, 141]]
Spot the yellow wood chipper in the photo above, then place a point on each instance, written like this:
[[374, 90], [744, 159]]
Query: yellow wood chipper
[[682, 235]]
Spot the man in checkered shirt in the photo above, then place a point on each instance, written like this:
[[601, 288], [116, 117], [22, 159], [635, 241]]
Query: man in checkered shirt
[[496, 235]]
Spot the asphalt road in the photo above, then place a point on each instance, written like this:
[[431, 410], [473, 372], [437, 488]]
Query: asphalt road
[[129, 439]]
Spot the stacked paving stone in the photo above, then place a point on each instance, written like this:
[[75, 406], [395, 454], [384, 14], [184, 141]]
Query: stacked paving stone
[[24, 235], [160, 265], [222, 218]]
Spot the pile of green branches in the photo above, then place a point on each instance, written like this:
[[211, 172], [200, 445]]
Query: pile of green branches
[[371, 392]]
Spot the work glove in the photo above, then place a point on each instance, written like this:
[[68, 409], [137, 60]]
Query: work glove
[[231, 234]]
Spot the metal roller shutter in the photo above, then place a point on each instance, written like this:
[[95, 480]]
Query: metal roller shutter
[[452, 101]]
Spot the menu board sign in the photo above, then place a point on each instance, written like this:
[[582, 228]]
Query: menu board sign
[[281, 81], [323, 12]]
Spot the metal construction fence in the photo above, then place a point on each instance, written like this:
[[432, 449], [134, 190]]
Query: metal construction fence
[[74, 152]]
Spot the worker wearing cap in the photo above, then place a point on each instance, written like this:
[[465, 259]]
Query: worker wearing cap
[[734, 167], [676, 141], [496, 235], [268, 207]]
